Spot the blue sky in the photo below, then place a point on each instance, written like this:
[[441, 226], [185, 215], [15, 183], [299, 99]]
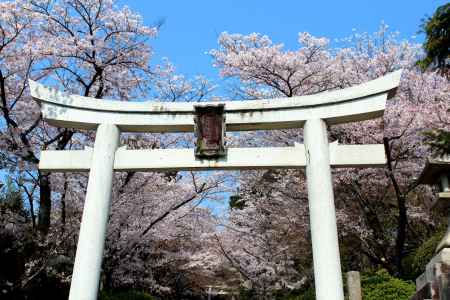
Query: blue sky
[[191, 27]]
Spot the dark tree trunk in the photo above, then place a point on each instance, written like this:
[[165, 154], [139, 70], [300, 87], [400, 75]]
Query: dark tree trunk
[[45, 203], [402, 220], [63, 205], [401, 234]]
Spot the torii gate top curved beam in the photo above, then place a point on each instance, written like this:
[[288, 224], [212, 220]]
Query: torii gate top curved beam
[[357, 103]]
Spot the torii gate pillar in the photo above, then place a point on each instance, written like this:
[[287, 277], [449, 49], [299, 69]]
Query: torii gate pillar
[[324, 236], [362, 102], [89, 255]]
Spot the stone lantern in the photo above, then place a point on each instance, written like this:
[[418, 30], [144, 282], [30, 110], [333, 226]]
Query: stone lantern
[[434, 283], [437, 172]]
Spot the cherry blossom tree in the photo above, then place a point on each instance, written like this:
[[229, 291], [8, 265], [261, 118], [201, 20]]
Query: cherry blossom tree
[[95, 49], [264, 236], [151, 216], [87, 47], [160, 238], [378, 208], [17, 58]]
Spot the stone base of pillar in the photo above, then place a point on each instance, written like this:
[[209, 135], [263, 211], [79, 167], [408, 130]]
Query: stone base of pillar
[[434, 283]]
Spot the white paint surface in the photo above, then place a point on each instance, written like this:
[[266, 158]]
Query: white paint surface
[[341, 156], [362, 102], [358, 103], [89, 255], [324, 236]]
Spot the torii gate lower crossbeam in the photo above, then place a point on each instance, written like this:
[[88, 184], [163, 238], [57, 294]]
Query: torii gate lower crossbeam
[[109, 118]]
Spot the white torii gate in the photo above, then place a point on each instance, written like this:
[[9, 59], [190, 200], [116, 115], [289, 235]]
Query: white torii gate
[[314, 112]]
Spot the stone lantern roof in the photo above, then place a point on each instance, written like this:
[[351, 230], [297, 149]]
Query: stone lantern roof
[[437, 172]]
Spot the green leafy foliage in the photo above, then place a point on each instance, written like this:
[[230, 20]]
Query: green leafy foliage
[[11, 198], [304, 294], [307, 294], [236, 202], [381, 285], [295, 297], [414, 264], [439, 141], [125, 295], [436, 45], [246, 294]]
